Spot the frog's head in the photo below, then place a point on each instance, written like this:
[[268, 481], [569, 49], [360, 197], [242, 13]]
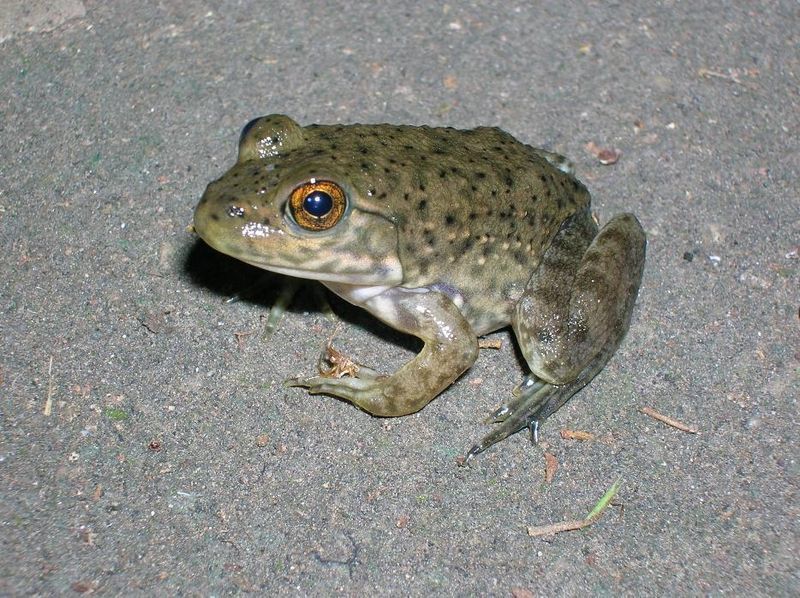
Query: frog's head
[[290, 205]]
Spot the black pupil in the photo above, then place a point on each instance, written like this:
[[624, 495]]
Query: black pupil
[[318, 203]]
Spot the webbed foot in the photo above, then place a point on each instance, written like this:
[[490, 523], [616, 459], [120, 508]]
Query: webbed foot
[[533, 401]]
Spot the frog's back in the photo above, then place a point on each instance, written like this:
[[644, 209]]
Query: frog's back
[[475, 209]]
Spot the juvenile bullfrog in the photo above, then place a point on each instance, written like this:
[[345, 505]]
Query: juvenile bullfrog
[[440, 233]]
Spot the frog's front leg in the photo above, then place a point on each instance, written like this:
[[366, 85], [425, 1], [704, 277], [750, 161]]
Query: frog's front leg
[[572, 316], [451, 347]]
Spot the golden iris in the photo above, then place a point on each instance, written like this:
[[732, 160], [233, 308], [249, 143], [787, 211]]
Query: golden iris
[[317, 205]]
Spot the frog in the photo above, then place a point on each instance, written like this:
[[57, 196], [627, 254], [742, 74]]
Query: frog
[[443, 234]]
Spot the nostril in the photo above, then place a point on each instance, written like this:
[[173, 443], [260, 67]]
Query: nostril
[[236, 212]]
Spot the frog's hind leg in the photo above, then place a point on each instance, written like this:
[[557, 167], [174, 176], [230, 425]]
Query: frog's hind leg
[[572, 317], [534, 401]]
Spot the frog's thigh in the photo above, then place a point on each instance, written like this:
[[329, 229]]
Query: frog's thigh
[[578, 304], [450, 348]]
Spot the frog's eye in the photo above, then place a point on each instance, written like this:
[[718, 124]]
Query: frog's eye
[[317, 205]]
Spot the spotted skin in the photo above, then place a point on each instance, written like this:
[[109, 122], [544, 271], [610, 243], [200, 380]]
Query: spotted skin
[[444, 234]]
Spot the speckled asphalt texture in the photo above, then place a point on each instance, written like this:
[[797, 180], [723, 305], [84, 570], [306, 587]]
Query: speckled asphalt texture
[[147, 443]]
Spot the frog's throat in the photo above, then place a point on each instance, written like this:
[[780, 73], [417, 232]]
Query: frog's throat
[[383, 275]]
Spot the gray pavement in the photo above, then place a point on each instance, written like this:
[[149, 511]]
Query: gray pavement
[[147, 445]]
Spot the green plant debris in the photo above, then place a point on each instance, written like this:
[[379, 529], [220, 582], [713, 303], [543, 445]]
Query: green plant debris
[[605, 500], [568, 526], [116, 414]]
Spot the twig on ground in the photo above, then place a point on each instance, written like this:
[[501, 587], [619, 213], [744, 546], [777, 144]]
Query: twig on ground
[[48, 403], [669, 420], [568, 526]]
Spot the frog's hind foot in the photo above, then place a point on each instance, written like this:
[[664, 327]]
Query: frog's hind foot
[[533, 401]]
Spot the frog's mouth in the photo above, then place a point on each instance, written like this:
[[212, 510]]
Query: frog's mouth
[[362, 249], [322, 259]]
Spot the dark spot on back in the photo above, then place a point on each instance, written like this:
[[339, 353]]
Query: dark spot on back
[[424, 266]]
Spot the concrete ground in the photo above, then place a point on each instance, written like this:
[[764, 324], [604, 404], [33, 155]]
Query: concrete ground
[[148, 445]]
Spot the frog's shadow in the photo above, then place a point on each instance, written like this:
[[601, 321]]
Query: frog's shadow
[[229, 277]]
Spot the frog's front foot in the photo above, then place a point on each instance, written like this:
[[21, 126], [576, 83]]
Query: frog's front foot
[[340, 376], [364, 392], [450, 347]]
